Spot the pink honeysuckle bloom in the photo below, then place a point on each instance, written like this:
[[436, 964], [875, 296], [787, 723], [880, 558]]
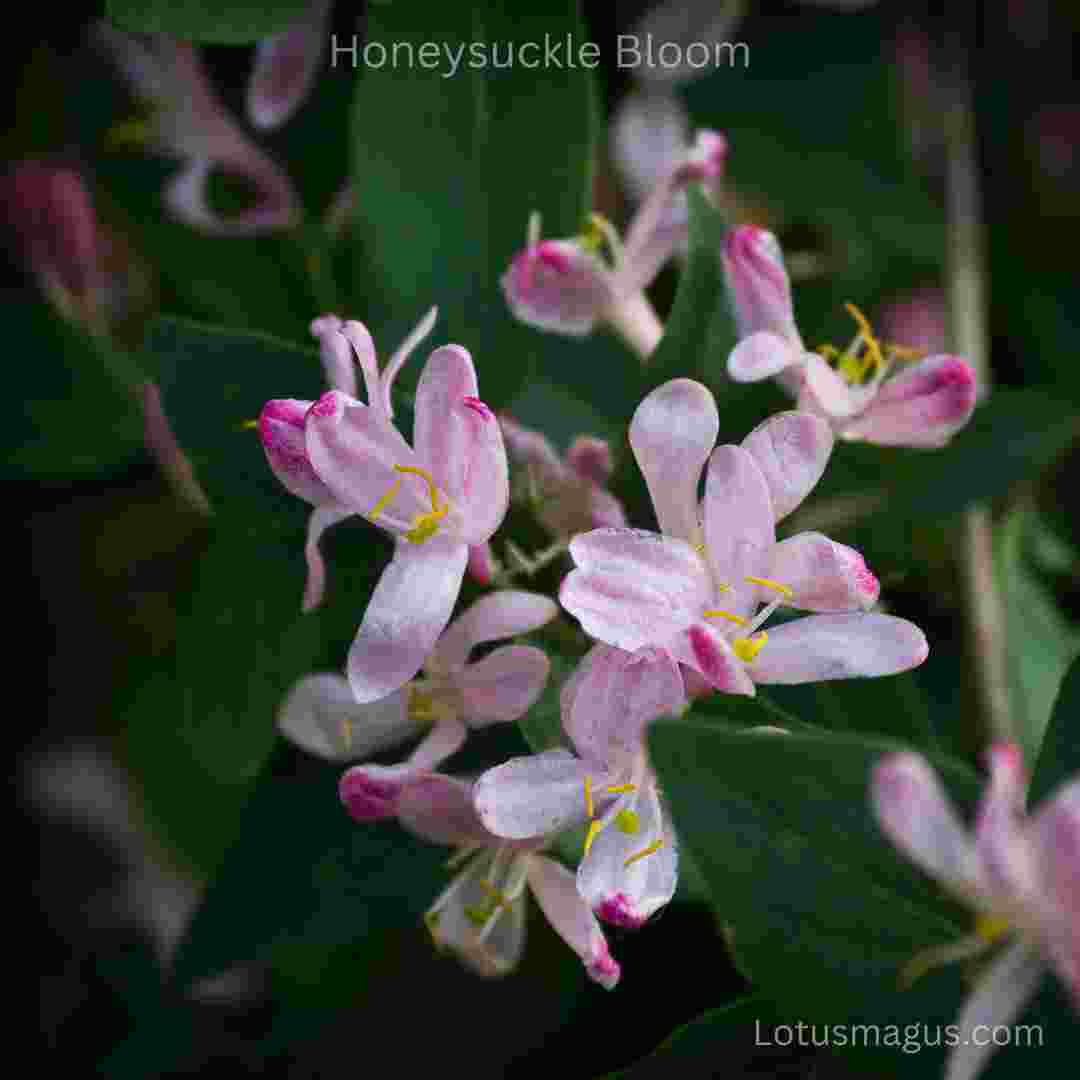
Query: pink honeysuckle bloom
[[630, 865], [568, 287], [1020, 874], [321, 716], [281, 426], [569, 492], [285, 68], [440, 498], [481, 915], [188, 121], [925, 404], [696, 589]]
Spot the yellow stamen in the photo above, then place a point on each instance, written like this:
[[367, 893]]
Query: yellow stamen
[[991, 928], [421, 706], [747, 648], [424, 526], [249, 425], [655, 846], [382, 504], [904, 352], [136, 131], [590, 836], [829, 352], [628, 822], [618, 789], [589, 809], [497, 898], [346, 733], [770, 584], [716, 613]]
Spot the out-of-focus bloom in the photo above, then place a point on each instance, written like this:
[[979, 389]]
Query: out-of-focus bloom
[[188, 121], [441, 497], [281, 427], [568, 286], [1021, 875], [481, 915], [919, 319], [569, 493], [630, 865], [321, 715], [1056, 130], [925, 404], [285, 68], [696, 589]]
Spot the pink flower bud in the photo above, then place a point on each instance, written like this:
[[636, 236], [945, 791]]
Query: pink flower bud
[[758, 284]]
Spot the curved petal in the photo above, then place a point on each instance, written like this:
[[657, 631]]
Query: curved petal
[[363, 350], [334, 351], [824, 391], [791, 449], [409, 609], [997, 1000], [621, 889], [739, 525], [822, 647], [1002, 839], [321, 716], [823, 575], [616, 697], [923, 406], [533, 796], [322, 518], [758, 284], [501, 614], [440, 433], [370, 793], [446, 737], [354, 451], [672, 433], [760, 356], [703, 649], [401, 354], [440, 809], [504, 685], [556, 892], [281, 432], [634, 588], [913, 811]]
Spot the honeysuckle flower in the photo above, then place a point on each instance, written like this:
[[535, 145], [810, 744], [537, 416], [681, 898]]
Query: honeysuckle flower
[[696, 589], [569, 492], [439, 498], [285, 68], [188, 121], [629, 868], [1020, 874], [925, 404], [568, 286], [454, 696], [481, 915], [281, 426]]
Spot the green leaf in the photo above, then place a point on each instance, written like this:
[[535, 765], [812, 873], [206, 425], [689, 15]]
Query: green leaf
[[1059, 758], [1040, 642], [542, 724], [448, 176], [235, 22]]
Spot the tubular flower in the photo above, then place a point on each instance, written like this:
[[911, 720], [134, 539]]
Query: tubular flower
[[439, 498], [569, 493], [568, 286], [704, 588], [1020, 874], [629, 868], [282, 422], [321, 715], [481, 915], [923, 405], [188, 121]]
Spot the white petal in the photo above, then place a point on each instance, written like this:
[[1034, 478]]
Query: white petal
[[792, 450], [496, 615], [760, 356]]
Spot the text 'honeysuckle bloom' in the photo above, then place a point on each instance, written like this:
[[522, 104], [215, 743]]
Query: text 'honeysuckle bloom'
[[342, 345], [569, 286], [704, 589], [1020, 874], [188, 120], [481, 915], [924, 404], [630, 864], [454, 695], [444, 494]]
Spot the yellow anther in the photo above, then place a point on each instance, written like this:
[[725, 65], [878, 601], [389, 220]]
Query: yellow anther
[[249, 425], [991, 928], [135, 131], [386, 499], [874, 357], [700, 548], [426, 525], [497, 898], [346, 733], [589, 809], [628, 822], [655, 846], [479, 914], [619, 789], [421, 707], [747, 648], [770, 584], [716, 613], [829, 352], [590, 836], [904, 352]]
